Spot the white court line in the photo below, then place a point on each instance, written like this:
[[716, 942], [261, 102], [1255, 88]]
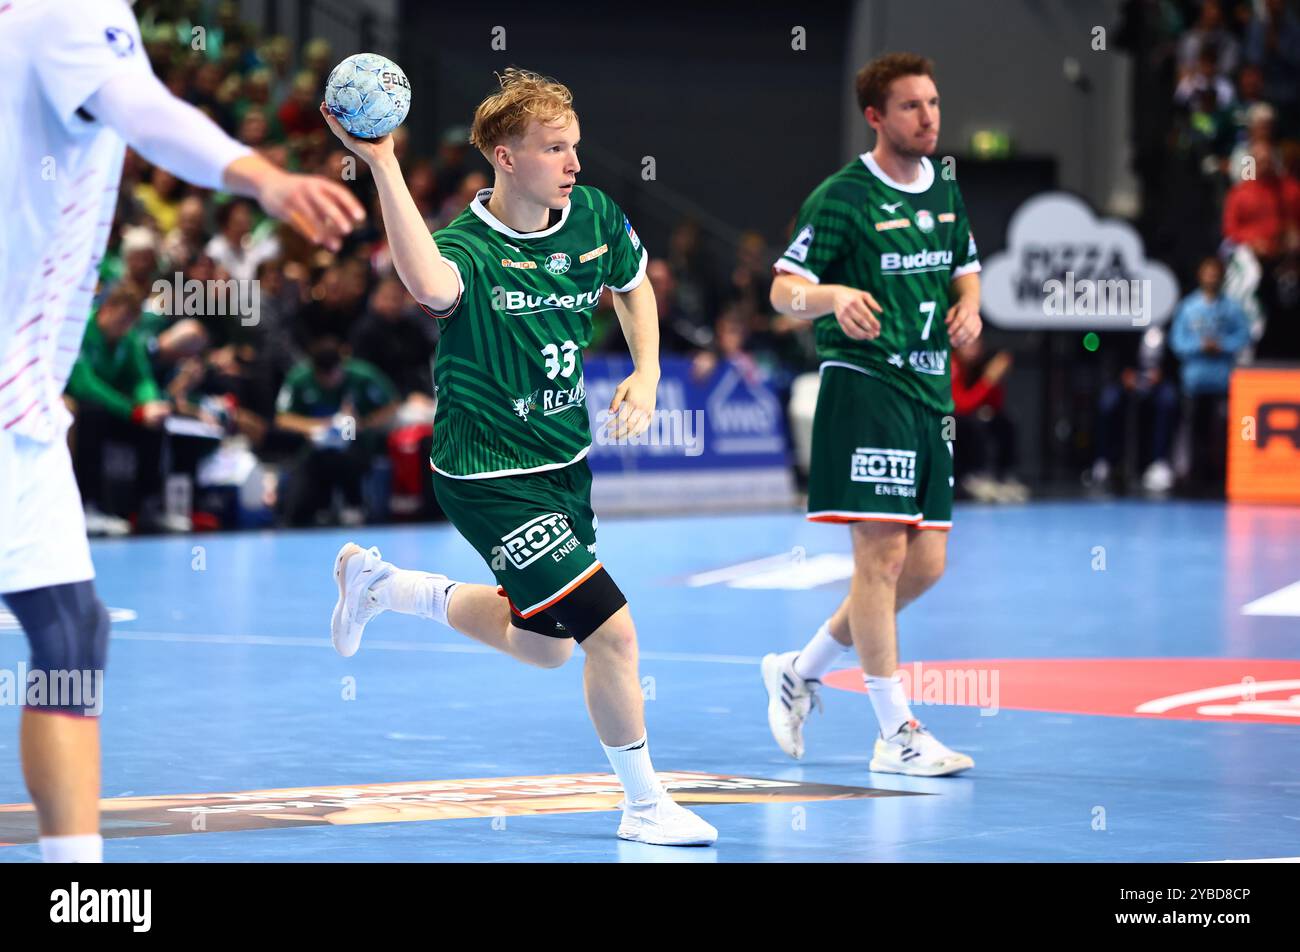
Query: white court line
[[291, 641]]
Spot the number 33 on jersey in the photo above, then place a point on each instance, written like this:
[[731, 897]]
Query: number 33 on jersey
[[509, 369]]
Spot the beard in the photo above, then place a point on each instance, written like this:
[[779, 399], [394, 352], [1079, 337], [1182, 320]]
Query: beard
[[909, 148]]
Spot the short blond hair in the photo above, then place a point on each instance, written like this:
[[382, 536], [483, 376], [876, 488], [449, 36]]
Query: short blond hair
[[523, 96]]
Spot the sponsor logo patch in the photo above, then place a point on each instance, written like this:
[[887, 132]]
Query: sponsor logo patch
[[523, 405], [798, 250], [932, 362], [892, 224], [528, 543], [521, 265], [918, 261], [593, 253], [947, 217], [871, 464], [631, 233], [120, 41]]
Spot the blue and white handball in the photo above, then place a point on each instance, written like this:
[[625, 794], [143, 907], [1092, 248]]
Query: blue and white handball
[[368, 94]]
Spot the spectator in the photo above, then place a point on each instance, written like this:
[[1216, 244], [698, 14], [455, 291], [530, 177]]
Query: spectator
[[234, 248], [1210, 330], [1273, 43], [118, 400], [342, 408], [1209, 30], [139, 258], [160, 198], [1143, 386], [398, 339], [337, 300], [187, 240], [1264, 212], [1257, 140], [299, 115], [1205, 78], [697, 292], [985, 445]]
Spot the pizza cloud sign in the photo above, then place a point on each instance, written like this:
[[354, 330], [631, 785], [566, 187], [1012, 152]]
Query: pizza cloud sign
[[1067, 269]]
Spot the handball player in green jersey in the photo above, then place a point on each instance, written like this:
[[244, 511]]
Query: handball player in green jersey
[[513, 282], [884, 263]]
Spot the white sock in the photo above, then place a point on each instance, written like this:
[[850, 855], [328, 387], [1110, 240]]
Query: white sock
[[415, 593], [632, 765], [889, 702], [819, 655], [84, 848]]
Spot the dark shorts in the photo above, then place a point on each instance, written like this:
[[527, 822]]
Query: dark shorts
[[878, 455], [536, 531]]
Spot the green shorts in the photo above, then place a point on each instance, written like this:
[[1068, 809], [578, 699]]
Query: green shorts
[[535, 531], [877, 455]]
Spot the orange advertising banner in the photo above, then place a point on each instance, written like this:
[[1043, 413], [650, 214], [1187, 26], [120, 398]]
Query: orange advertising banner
[[1264, 435]]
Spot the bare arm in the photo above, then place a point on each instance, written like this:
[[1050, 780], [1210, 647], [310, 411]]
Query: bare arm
[[963, 318], [855, 310], [430, 279], [634, 401]]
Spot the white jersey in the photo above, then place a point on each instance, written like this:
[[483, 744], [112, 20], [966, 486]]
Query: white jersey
[[57, 195]]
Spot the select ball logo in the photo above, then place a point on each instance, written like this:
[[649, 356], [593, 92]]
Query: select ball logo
[[535, 538], [558, 263]]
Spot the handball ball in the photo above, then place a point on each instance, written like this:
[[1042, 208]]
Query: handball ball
[[368, 94]]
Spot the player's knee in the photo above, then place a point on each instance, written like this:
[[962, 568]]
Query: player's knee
[[556, 655], [614, 641], [879, 555], [929, 571], [67, 627]]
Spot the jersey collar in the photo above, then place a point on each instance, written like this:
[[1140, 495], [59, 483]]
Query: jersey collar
[[479, 208], [922, 183]]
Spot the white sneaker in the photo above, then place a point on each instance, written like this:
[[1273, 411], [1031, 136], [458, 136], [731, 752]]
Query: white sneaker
[[789, 700], [356, 570], [1159, 477], [914, 751], [664, 822], [102, 524], [980, 487]]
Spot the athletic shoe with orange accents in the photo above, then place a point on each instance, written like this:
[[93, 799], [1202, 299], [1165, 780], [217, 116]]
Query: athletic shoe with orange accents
[[912, 750]]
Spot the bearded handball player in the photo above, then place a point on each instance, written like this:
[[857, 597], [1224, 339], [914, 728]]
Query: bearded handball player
[[513, 281], [884, 262]]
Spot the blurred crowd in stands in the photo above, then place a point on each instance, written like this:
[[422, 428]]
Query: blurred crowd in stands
[[301, 387], [1216, 137]]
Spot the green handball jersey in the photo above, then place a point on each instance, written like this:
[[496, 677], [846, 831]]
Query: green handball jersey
[[508, 375], [904, 243]]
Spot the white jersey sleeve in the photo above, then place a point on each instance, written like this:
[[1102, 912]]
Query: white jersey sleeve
[[165, 130], [83, 44]]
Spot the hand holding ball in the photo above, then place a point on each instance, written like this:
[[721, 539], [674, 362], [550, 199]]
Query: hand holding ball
[[368, 94]]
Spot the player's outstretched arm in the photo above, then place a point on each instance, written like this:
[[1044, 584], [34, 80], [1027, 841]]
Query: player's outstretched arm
[[633, 405], [419, 264], [855, 310], [173, 134]]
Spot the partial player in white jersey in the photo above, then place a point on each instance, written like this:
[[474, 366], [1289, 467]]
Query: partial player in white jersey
[[75, 90]]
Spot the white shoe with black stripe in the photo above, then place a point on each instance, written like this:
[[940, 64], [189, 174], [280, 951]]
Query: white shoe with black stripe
[[789, 700], [912, 750]]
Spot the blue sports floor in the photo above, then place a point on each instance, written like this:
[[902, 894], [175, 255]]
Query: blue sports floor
[[224, 682]]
